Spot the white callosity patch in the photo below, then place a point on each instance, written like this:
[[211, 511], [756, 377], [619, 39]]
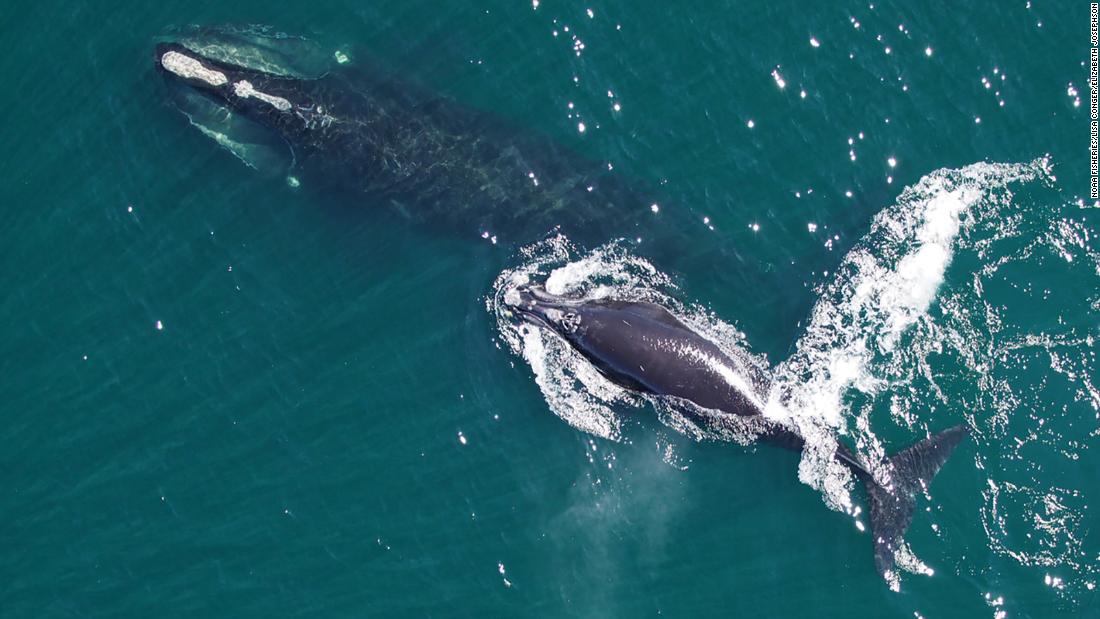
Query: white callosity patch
[[257, 48], [187, 67], [245, 90]]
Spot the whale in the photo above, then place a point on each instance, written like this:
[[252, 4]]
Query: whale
[[384, 140], [643, 347]]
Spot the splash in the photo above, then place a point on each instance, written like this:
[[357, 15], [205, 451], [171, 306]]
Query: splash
[[922, 323], [973, 296], [572, 387], [883, 287]]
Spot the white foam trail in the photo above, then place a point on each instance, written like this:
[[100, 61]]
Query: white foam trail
[[573, 389], [878, 342], [883, 286], [558, 370]]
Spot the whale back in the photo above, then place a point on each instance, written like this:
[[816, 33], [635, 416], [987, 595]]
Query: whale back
[[643, 346]]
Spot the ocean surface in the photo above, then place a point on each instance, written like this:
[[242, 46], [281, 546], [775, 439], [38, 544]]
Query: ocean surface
[[227, 396]]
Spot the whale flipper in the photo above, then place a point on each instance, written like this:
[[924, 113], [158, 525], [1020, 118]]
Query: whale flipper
[[892, 508], [256, 147]]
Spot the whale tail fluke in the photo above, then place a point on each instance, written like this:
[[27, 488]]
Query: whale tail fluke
[[892, 507]]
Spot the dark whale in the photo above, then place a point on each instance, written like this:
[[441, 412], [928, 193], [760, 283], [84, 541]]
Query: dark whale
[[643, 347], [433, 159]]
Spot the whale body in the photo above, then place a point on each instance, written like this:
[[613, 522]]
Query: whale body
[[643, 347], [428, 156]]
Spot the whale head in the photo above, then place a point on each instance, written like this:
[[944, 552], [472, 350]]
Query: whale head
[[535, 305], [256, 93], [268, 99]]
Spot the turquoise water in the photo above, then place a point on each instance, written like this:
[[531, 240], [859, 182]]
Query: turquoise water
[[224, 396]]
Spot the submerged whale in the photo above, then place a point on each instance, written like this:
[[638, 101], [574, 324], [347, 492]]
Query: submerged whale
[[643, 347], [358, 129]]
